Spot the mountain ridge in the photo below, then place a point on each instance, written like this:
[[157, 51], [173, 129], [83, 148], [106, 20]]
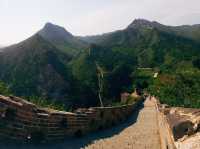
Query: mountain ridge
[[186, 31], [32, 64], [53, 63], [62, 39]]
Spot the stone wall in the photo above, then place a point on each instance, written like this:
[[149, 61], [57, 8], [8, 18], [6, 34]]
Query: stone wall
[[166, 137], [23, 121], [185, 126], [178, 125], [183, 121]]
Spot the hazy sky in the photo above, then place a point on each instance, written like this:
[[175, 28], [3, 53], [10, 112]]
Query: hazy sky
[[20, 19]]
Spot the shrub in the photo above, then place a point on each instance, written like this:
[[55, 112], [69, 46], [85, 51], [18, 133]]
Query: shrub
[[43, 102]]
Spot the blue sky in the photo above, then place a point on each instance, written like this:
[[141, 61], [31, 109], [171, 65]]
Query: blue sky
[[20, 19]]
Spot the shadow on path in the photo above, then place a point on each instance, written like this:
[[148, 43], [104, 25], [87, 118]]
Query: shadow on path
[[77, 143]]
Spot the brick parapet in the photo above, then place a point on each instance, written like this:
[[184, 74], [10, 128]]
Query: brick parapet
[[24, 121]]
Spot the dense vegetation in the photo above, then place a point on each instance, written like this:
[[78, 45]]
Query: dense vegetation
[[42, 102], [60, 67], [4, 90], [170, 51], [116, 68], [35, 68], [177, 88]]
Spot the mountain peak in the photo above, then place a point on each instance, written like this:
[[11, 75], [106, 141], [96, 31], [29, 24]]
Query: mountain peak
[[61, 38], [52, 31], [142, 23], [51, 26]]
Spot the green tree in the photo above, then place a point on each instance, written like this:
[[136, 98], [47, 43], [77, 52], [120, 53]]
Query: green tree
[[4, 90]]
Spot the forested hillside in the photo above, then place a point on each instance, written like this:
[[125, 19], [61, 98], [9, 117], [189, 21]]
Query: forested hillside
[[56, 66]]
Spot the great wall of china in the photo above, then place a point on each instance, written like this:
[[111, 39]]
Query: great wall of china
[[22, 120], [25, 122], [179, 127]]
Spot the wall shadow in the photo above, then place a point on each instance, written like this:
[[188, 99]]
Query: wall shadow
[[77, 143]]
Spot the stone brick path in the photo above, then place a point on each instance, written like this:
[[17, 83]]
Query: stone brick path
[[143, 134]]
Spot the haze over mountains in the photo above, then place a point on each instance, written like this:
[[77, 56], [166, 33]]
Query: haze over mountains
[[188, 31], [59, 66]]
